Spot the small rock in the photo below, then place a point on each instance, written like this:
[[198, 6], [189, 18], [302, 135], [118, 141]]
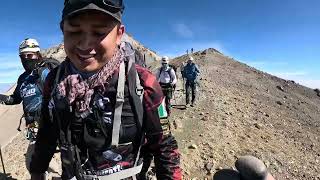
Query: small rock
[[219, 168], [187, 172], [279, 103], [205, 118], [317, 91], [193, 146], [209, 166], [258, 125], [280, 88], [251, 168], [265, 114], [202, 113], [204, 158]]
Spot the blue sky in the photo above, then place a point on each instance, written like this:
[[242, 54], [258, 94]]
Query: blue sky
[[279, 37]]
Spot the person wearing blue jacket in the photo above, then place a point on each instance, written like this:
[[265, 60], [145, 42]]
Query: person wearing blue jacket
[[190, 73]]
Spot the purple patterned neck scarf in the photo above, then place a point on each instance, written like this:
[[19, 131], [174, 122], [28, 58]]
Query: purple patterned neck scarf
[[78, 91]]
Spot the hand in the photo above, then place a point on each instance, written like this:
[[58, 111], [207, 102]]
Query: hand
[[3, 98]]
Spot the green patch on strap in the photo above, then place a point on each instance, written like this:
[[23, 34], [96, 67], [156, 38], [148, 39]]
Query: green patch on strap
[[162, 110]]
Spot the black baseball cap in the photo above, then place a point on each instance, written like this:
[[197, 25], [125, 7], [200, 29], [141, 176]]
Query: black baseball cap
[[113, 8]]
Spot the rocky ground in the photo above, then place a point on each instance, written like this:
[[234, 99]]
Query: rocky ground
[[14, 156], [243, 111], [240, 111]]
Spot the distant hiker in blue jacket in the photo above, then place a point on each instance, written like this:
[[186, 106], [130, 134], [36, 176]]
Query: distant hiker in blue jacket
[[190, 72]]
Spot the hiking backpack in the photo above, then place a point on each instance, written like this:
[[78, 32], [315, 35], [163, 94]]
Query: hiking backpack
[[190, 72], [174, 68], [140, 58]]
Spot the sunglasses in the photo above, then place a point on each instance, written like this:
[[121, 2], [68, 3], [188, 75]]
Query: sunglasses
[[117, 4], [28, 56]]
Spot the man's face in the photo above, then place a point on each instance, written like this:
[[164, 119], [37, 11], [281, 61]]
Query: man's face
[[189, 61], [29, 60], [29, 56], [91, 39], [164, 65]]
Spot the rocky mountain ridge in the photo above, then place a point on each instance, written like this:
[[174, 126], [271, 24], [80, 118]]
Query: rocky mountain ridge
[[242, 110], [239, 111]]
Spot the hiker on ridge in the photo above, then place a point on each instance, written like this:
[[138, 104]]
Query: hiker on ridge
[[30, 82], [167, 78], [190, 73], [29, 89], [99, 106]]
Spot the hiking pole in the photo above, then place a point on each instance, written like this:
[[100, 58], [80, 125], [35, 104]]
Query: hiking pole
[[174, 97], [4, 171], [183, 85], [184, 90]]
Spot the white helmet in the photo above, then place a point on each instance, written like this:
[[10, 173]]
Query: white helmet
[[191, 58], [165, 60], [29, 45]]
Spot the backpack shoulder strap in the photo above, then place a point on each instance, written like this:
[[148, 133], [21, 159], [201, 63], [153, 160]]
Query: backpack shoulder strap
[[167, 71], [119, 105], [120, 98], [160, 72], [57, 79]]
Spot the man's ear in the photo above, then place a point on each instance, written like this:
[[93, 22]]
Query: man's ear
[[120, 32]]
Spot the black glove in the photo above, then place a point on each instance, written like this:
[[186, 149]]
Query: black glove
[[4, 98]]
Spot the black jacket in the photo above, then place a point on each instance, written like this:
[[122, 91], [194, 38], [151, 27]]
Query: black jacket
[[164, 148]]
